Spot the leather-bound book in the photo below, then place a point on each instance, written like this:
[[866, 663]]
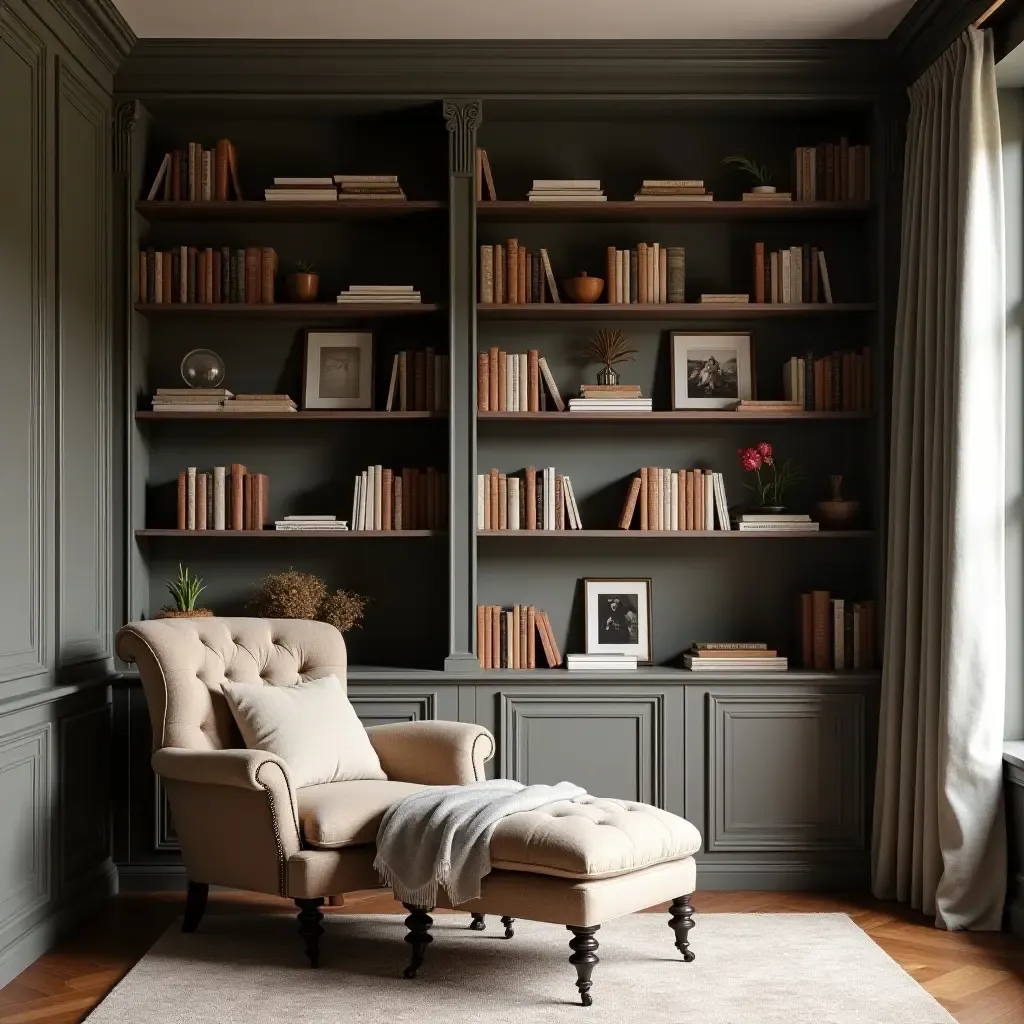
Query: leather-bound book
[[495, 636], [629, 507], [483, 382], [253, 258], [530, 487], [182, 523], [523, 266], [493, 354], [559, 504], [611, 286], [820, 611], [233, 170], [514, 642], [641, 270], [512, 272], [397, 505], [486, 274], [645, 518], [498, 267], [220, 170], [200, 501], [531, 641], [533, 380], [387, 487], [759, 271], [268, 267], [806, 631], [237, 502]]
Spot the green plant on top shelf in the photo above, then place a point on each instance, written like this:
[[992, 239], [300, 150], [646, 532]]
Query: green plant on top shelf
[[759, 172]]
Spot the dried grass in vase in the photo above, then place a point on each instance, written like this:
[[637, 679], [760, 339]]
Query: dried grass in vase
[[610, 347]]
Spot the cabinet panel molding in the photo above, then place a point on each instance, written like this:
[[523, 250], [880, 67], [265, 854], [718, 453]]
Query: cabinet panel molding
[[385, 708], [85, 834]]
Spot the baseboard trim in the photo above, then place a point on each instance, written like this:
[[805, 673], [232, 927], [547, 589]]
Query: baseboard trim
[[92, 892], [151, 878]]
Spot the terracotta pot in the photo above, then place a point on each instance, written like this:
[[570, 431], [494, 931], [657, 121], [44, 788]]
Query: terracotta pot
[[303, 287], [584, 288], [173, 613]]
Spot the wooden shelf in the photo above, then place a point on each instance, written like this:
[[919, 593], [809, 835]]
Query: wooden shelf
[[287, 310], [524, 210], [260, 211], [665, 311], [675, 534], [303, 416], [665, 416], [291, 534]]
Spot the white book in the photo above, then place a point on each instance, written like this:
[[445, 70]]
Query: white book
[[777, 527], [674, 486], [575, 506], [524, 382], [393, 384], [509, 382], [363, 499], [371, 495], [770, 517], [567, 504], [721, 504], [355, 501], [219, 503], [559, 184], [481, 490], [190, 498], [378, 474], [513, 503], [593, 659], [709, 500], [603, 666], [310, 519], [826, 286], [514, 366], [786, 271]]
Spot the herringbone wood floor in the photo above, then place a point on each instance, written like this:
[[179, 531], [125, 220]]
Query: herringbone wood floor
[[979, 978]]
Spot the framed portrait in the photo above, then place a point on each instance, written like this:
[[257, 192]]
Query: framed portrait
[[711, 371], [618, 617], [338, 370]]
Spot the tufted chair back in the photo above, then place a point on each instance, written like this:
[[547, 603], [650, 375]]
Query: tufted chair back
[[182, 663]]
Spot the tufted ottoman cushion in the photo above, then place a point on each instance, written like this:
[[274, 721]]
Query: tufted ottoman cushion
[[591, 838]]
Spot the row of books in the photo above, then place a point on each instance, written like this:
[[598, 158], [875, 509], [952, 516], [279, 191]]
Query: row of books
[[529, 500], [224, 498], [334, 187], [836, 633], [512, 275], [419, 382], [506, 637], [673, 190], [186, 274], [195, 174], [511, 382], [839, 382], [648, 273], [833, 171], [610, 398], [388, 294], [219, 400], [798, 274], [668, 499], [413, 499], [710, 658]]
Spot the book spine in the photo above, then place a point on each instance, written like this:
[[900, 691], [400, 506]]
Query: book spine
[[486, 274], [820, 629], [237, 497], [268, 263], [495, 636], [536, 278], [219, 499], [480, 637], [483, 382], [676, 273], [514, 643], [759, 271], [642, 275], [611, 273], [662, 275], [182, 521], [555, 652], [512, 271], [531, 636], [498, 269], [190, 509]]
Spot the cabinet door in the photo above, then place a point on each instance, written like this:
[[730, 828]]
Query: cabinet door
[[381, 705]]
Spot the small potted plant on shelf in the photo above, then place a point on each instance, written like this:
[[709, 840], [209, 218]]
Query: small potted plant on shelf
[[610, 347], [759, 172], [185, 590], [301, 595], [771, 490], [304, 283]]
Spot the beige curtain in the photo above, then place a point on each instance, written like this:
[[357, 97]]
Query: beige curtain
[[938, 840]]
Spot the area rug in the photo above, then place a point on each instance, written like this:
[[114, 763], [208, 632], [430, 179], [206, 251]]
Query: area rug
[[763, 968]]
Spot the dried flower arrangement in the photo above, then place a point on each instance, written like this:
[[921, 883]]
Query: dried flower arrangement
[[609, 347], [300, 595]]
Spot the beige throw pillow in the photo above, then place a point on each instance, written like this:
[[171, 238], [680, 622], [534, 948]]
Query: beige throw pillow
[[311, 725]]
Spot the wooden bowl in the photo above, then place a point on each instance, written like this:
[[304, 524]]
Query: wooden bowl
[[583, 288], [837, 515]]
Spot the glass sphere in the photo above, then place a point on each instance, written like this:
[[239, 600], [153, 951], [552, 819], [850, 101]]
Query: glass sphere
[[202, 368]]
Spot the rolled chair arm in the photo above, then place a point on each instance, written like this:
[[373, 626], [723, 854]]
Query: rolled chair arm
[[432, 753]]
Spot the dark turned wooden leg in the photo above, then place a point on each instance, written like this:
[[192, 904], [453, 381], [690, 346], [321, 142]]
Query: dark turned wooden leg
[[681, 922], [478, 924], [508, 922], [195, 904], [584, 958], [309, 918], [418, 922]]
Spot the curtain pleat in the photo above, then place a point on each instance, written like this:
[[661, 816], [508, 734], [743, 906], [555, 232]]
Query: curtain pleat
[[938, 841]]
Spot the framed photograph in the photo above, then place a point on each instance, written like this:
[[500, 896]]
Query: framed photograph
[[618, 614], [711, 371], [338, 370]]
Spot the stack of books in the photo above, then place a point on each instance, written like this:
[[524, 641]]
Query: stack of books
[[567, 190], [190, 399], [259, 403], [394, 294], [610, 398], [775, 522], [511, 382], [419, 382], [512, 274], [836, 634], [530, 500], [368, 186], [302, 190], [222, 499], [767, 197], [601, 662], [839, 382], [413, 499], [649, 273], [668, 499], [673, 190], [506, 637], [298, 524], [798, 274], [734, 657]]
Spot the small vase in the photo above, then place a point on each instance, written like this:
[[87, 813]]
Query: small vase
[[303, 287], [607, 376], [763, 189]]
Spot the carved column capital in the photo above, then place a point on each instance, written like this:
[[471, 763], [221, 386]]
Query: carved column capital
[[125, 121], [462, 118]]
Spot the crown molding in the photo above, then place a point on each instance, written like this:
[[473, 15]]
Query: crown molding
[[243, 68], [101, 27], [927, 29]]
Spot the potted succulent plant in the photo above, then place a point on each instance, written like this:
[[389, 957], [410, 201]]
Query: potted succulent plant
[[304, 283], [770, 491], [185, 589], [610, 347], [759, 172]]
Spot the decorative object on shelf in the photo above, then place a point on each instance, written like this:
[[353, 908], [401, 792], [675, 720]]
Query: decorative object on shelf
[[759, 172], [338, 370], [187, 275], [610, 347], [195, 174], [835, 633], [711, 371], [583, 287], [837, 514], [688, 499], [301, 595], [203, 369], [303, 283], [618, 617], [771, 491], [185, 589], [673, 190]]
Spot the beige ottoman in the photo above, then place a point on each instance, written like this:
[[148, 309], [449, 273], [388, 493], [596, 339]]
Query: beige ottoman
[[580, 864]]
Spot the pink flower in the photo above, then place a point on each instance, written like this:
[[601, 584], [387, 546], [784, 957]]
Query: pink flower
[[750, 459], [764, 449]]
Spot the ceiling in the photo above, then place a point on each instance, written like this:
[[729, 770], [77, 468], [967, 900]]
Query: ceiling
[[513, 19]]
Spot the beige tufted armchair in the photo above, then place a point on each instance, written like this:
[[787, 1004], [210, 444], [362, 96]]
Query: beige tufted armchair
[[240, 820]]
